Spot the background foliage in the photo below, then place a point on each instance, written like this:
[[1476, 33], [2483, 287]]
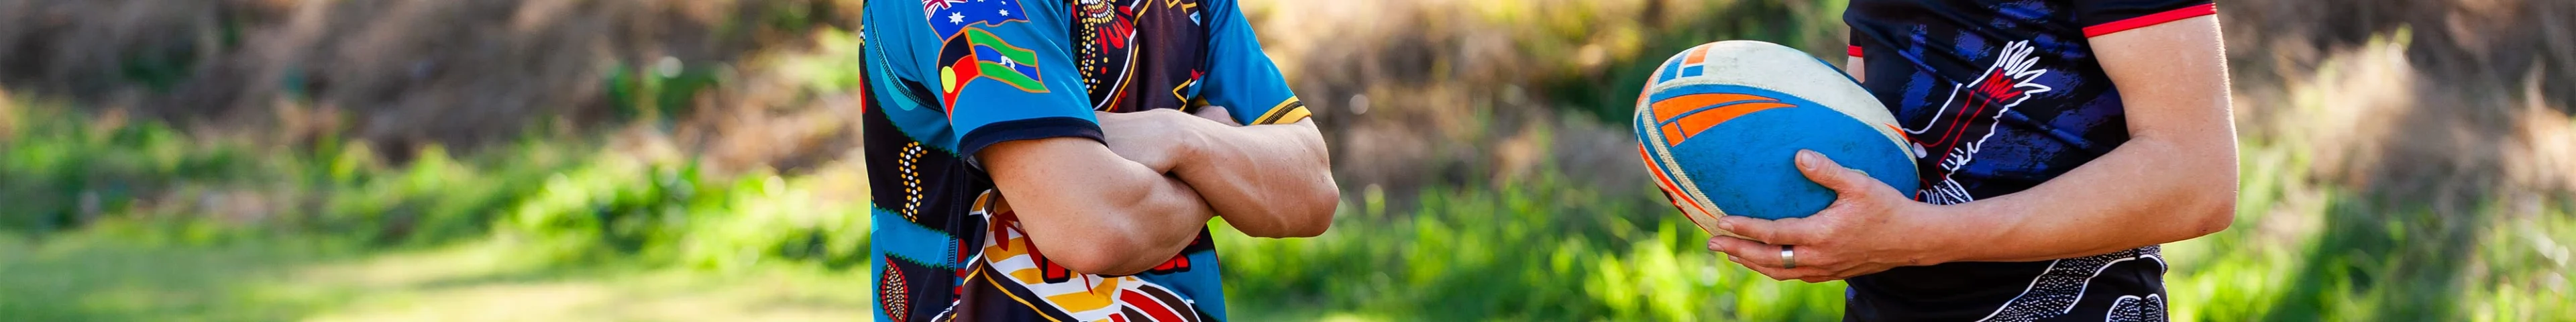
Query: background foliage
[[694, 160]]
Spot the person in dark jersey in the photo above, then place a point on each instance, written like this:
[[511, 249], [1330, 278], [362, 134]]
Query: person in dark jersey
[[2059, 141], [1060, 160]]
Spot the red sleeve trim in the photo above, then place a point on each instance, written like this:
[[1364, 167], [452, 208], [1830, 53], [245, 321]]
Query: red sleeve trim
[[2151, 20], [1854, 51]]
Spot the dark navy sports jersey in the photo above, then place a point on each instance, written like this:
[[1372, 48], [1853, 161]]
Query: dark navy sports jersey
[[1999, 96], [946, 78]]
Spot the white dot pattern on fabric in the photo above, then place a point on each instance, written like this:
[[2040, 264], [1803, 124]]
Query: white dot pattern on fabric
[[2135, 308], [2056, 291]]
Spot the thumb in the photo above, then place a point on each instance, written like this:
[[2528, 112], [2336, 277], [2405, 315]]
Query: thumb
[[1824, 171]]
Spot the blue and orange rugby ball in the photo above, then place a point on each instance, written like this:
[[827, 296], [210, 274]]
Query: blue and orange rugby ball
[[1721, 124]]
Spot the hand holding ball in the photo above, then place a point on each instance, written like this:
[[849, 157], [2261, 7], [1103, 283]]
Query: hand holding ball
[[1721, 124]]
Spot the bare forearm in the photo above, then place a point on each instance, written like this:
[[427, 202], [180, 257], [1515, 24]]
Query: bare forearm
[[1266, 180], [2174, 179], [1091, 211], [1158, 221], [2146, 192]]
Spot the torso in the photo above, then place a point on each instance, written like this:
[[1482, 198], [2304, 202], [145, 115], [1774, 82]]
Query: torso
[[1129, 69], [953, 250], [1997, 97]]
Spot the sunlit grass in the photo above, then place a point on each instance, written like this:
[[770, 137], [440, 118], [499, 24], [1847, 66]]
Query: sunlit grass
[[133, 220], [111, 218], [1538, 250], [1544, 251], [90, 278]]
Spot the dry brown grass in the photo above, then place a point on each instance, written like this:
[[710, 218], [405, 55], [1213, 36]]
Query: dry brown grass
[[1411, 93], [401, 73], [8, 116], [1489, 93], [2452, 103]]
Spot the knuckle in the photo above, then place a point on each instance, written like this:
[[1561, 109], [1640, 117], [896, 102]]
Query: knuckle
[[1830, 227]]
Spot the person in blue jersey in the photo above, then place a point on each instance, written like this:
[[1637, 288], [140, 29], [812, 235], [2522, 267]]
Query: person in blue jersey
[[1060, 160], [2059, 141]]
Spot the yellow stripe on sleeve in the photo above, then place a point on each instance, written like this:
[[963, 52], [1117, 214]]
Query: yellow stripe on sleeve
[[1289, 111]]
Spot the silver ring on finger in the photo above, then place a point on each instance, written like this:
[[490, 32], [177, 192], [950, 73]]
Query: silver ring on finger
[[1788, 257]]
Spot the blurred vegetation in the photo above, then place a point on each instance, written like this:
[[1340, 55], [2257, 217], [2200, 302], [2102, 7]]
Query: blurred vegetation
[[1540, 250], [110, 204], [67, 173], [117, 212], [1543, 251]]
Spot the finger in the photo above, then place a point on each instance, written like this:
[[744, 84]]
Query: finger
[[1785, 231], [1845, 274], [1780, 274], [1751, 252], [1766, 258], [1824, 171]]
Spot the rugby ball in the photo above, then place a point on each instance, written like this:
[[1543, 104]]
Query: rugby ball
[[1720, 126]]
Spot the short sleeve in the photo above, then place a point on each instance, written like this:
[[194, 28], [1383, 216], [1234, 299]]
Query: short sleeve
[[1851, 47], [1240, 76], [1000, 69], [2103, 17]]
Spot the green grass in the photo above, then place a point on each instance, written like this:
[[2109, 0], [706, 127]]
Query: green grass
[[108, 221], [138, 221], [81, 277], [73, 278], [1544, 253], [2299, 251]]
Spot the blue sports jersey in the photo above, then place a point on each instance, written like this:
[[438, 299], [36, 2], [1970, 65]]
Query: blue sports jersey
[[946, 78]]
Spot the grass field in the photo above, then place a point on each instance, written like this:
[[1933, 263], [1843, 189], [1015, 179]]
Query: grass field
[[94, 278], [110, 217], [1538, 250]]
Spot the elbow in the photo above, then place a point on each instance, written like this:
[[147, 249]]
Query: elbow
[[1305, 221], [1309, 217], [2212, 199], [1113, 242], [2215, 214], [1316, 215], [2220, 211], [2192, 219], [2215, 218], [1105, 257], [1312, 219]]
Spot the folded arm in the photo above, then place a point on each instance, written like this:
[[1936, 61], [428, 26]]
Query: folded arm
[[1092, 211], [1267, 180]]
